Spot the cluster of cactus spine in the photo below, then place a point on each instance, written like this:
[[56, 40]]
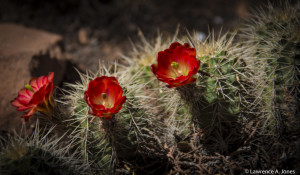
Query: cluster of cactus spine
[[40, 153], [272, 38], [219, 96]]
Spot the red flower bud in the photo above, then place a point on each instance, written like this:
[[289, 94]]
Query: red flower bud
[[104, 96], [36, 96], [176, 65]]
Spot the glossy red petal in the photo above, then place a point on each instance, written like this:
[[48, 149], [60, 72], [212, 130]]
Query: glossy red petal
[[49, 90], [38, 96], [87, 98], [186, 45], [119, 104], [23, 100], [114, 79], [40, 81], [159, 75], [191, 51], [188, 80], [23, 108], [179, 53], [50, 76], [95, 91], [26, 93], [114, 92], [33, 84], [174, 45], [29, 114], [16, 103], [164, 61]]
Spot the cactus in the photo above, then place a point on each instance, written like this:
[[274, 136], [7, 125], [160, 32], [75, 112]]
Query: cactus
[[273, 40], [104, 143], [40, 153], [218, 96]]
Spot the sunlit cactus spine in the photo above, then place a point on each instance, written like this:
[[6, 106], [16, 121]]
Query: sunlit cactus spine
[[218, 90], [273, 37], [41, 153], [110, 145]]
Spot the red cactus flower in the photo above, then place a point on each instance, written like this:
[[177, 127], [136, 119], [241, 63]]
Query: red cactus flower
[[104, 96], [176, 65], [36, 96]]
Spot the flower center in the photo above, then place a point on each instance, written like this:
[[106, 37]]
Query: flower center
[[174, 65], [105, 101], [177, 71], [103, 95]]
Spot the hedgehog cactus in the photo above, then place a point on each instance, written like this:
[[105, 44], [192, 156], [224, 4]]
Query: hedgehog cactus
[[274, 40], [38, 154], [106, 141], [217, 92], [218, 96]]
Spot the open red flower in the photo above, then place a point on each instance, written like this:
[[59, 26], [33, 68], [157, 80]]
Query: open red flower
[[176, 65], [105, 96], [36, 96]]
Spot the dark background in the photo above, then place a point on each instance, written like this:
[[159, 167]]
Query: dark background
[[107, 24]]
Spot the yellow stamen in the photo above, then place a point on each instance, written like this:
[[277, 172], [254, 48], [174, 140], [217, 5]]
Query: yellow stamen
[[174, 65]]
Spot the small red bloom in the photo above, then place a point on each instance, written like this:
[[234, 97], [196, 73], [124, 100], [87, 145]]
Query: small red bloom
[[104, 96], [176, 65], [36, 96]]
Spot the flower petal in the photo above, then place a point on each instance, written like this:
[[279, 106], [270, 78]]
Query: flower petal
[[28, 114], [174, 45], [50, 76]]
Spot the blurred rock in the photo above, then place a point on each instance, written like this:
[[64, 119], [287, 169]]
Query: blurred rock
[[24, 53], [242, 9], [83, 36], [218, 20]]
